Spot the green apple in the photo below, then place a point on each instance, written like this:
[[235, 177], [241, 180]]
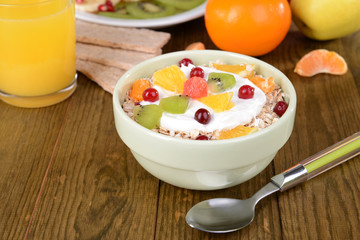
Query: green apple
[[326, 19]]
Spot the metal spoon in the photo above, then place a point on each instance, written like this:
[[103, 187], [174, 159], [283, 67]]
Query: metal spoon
[[222, 215]]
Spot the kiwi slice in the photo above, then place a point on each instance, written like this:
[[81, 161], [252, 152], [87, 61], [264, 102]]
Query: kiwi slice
[[219, 82], [182, 4], [175, 104], [149, 10], [116, 15], [148, 116], [120, 12]]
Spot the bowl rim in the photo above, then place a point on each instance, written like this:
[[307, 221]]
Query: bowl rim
[[119, 110]]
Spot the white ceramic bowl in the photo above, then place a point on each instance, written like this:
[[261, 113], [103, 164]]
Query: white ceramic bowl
[[202, 165]]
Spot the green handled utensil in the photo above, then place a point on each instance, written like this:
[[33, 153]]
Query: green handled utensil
[[221, 215]]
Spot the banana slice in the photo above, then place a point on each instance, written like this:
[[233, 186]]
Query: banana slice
[[91, 5]]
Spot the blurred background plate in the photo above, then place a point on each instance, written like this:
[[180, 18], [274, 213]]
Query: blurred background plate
[[144, 23]]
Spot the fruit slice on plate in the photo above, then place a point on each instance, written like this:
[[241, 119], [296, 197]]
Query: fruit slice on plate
[[265, 84], [219, 102], [243, 70], [170, 78], [91, 6], [321, 61], [219, 82], [149, 10], [236, 132], [119, 12], [148, 116], [138, 88], [175, 104], [182, 4]]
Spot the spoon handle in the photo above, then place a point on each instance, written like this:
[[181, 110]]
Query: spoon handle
[[332, 156], [312, 166]]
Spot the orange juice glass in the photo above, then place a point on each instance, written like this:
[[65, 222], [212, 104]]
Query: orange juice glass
[[37, 51]]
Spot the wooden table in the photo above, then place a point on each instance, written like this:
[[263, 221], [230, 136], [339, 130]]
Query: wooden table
[[66, 174]]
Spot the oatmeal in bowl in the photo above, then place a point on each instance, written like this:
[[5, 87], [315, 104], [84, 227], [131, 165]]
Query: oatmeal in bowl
[[167, 106], [209, 102]]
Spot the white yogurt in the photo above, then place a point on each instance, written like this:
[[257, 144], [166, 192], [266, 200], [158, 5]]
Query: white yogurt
[[243, 112]]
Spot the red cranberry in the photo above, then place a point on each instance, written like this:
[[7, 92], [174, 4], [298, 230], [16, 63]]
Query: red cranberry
[[185, 62], [197, 72], [280, 108], [111, 8], [202, 137], [109, 3], [202, 116], [150, 95], [106, 8], [246, 92]]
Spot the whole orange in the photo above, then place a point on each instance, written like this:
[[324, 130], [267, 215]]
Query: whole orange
[[251, 27]]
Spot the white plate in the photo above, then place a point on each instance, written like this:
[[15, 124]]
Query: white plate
[[144, 23]]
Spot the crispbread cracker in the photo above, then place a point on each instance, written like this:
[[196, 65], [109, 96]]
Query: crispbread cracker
[[142, 40], [120, 58], [105, 76]]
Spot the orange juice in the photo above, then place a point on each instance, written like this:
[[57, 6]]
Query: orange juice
[[37, 51]]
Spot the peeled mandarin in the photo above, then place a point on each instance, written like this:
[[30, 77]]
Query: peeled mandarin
[[219, 102], [243, 70], [265, 84], [137, 89], [236, 132], [170, 78], [321, 61]]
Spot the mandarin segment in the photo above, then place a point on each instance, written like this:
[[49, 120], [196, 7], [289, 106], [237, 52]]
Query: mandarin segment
[[243, 70], [265, 84], [321, 61], [137, 89], [219, 102], [236, 132], [229, 106], [170, 78]]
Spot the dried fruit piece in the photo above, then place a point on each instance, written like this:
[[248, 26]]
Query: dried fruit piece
[[197, 72], [151, 95], [321, 61], [170, 78], [219, 82], [243, 70], [202, 116], [202, 137], [236, 132], [280, 108], [246, 92], [138, 88], [185, 62], [219, 102], [195, 87], [195, 46], [175, 104], [148, 116], [265, 84]]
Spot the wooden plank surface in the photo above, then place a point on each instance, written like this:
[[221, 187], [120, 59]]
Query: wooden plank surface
[[65, 173]]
